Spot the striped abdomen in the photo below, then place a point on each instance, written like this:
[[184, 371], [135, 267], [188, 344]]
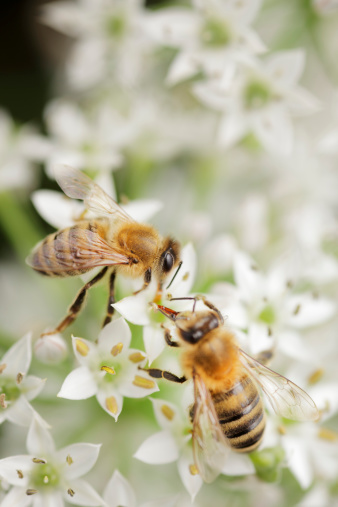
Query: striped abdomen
[[67, 252], [241, 414]]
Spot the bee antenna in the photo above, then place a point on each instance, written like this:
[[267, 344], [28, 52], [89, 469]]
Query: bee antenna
[[173, 278], [186, 297]]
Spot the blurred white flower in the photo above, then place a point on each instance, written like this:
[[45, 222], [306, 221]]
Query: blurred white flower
[[20, 147], [210, 38], [109, 39], [49, 477], [137, 310], [109, 370], [51, 349], [267, 309], [260, 100], [325, 7], [17, 388]]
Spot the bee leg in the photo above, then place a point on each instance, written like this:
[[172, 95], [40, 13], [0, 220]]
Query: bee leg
[[111, 299], [147, 280], [212, 307], [157, 373], [167, 337], [76, 306]]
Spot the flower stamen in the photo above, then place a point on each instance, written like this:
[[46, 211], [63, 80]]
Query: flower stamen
[[111, 404], [2, 367], [70, 492], [108, 369], [69, 459], [143, 382], [81, 347], [30, 492], [117, 349]]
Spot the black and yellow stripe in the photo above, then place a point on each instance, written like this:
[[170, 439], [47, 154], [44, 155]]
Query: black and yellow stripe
[[241, 414]]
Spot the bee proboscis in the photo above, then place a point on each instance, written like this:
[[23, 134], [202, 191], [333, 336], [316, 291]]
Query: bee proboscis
[[228, 410], [111, 239]]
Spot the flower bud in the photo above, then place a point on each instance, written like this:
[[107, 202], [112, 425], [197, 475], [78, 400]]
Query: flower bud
[[51, 349]]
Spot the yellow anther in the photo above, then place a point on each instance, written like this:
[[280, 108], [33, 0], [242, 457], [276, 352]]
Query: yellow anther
[[40, 461], [297, 309], [108, 369], [117, 349], [31, 492], [193, 469], [70, 492], [143, 382], [167, 412], [316, 376], [2, 367], [185, 276], [111, 404], [69, 459], [282, 430], [3, 402], [20, 474], [327, 434], [136, 357], [19, 378], [81, 347]]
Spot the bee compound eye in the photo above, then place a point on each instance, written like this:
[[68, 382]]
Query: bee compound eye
[[168, 262]]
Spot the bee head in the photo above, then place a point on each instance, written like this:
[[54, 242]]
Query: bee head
[[169, 258], [192, 326]]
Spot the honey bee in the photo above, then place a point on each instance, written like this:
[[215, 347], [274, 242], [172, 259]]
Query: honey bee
[[228, 410], [111, 239]]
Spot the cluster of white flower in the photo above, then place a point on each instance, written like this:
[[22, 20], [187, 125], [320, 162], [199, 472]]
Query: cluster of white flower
[[191, 103]]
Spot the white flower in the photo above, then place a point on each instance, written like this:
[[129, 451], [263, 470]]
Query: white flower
[[260, 100], [51, 349], [108, 39], [210, 38], [90, 140], [137, 309], [109, 370], [20, 146], [17, 388], [267, 309], [49, 477]]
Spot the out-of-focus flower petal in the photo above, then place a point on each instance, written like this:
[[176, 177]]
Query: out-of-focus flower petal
[[85, 494], [9, 467], [56, 208], [83, 458], [18, 358], [158, 449], [39, 440], [191, 482], [119, 492]]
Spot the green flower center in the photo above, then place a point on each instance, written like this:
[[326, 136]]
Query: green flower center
[[268, 315], [45, 475], [10, 389], [257, 94], [111, 368], [215, 33], [116, 26]]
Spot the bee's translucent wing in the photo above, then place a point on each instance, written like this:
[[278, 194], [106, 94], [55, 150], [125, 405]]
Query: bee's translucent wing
[[84, 250], [286, 398], [77, 185], [209, 442]]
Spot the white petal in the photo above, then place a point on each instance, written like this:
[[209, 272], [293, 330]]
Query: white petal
[[31, 386], [135, 309], [183, 66], [154, 343], [119, 492], [39, 440], [143, 209], [10, 466], [185, 278], [167, 419], [130, 390], [78, 385], [326, 399], [115, 332], [306, 310], [293, 345], [17, 497], [231, 129], [238, 464], [20, 412], [56, 208], [84, 457], [245, 11], [191, 482], [298, 461], [103, 397], [18, 358], [173, 26], [51, 499], [286, 67], [247, 278], [259, 338], [274, 130], [158, 449], [85, 494], [66, 122]]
